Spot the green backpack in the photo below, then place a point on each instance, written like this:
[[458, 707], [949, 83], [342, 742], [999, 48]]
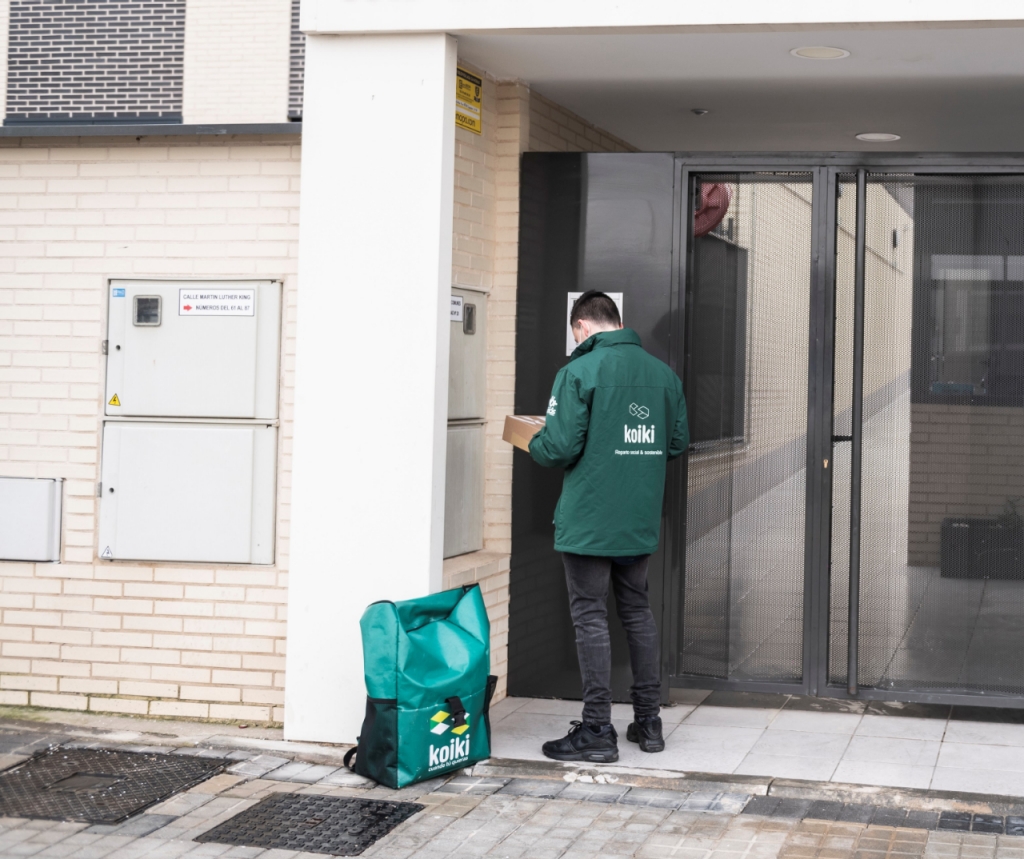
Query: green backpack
[[428, 687]]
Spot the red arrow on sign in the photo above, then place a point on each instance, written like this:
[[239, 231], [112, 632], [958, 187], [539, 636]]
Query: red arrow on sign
[[187, 307]]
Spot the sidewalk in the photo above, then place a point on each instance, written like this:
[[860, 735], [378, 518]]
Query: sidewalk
[[535, 809], [975, 749]]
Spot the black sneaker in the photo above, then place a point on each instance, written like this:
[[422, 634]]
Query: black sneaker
[[583, 743], [647, 732]]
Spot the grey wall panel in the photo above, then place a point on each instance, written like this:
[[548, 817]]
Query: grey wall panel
[[30, 514], [464, 490]]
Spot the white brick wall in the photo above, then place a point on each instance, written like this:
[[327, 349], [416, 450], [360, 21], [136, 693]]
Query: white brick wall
[[236, 61], [194, 640], [184, 640]]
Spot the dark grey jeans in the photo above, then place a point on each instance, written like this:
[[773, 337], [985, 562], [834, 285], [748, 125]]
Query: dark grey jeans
[[587, 578]]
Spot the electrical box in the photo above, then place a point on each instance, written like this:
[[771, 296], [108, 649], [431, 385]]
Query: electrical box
[[467, 358], [201, 492], [196, 349], [464, 489], [30, 512]]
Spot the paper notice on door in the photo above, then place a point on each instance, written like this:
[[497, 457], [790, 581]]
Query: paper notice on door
[[571, 344], [216, 302]]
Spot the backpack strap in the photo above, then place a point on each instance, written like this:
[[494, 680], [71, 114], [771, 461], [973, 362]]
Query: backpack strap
[[457, 710], [349, 755]]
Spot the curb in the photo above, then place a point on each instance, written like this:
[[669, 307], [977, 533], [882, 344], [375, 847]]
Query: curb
[[914, 799]]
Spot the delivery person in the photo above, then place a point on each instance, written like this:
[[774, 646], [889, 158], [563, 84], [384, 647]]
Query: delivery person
[[615, 417]]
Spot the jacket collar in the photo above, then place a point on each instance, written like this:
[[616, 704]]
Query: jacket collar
[[621, 337]]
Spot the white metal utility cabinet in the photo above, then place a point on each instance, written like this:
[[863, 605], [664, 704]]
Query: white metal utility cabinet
[[190, 435]]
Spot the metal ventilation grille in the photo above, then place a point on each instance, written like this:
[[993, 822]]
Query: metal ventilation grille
[[942, 566], [748, 294], [338, 826], [97, 786]]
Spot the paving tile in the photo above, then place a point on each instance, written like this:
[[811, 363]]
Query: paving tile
[[298, 771], [906, 728], [475, 785], [975, 756], [893, 750], [816, 722], [607, 793], [781, 766], [180, 804], [888, 775], [649, 798], [978, 780], [258, 766], [547, 788], [552, 707], [345, 778], [706, 748], [144, 824], [802, 744], [955, 821], [732, 717], [985, 733], [505, 706], [521, 734], [888, 816]]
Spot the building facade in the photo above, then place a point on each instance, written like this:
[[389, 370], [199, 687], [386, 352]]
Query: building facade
[[215, 142]]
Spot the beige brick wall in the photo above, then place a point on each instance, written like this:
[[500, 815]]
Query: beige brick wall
[[194, 640], [236, 61], [170, 640], [555, 129]]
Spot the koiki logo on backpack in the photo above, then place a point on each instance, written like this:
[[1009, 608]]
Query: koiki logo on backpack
[[428, 686]]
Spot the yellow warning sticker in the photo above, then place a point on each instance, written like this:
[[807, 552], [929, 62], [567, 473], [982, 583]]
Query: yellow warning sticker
[[468, 101], [114, 401]]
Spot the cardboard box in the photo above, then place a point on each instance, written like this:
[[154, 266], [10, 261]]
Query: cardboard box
[[519, 429]]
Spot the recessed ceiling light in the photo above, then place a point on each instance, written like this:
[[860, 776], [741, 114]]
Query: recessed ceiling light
[[820, 52], [877, 137]]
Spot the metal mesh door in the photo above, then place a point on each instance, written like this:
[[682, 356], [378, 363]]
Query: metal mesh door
[[941, 599], [748, 293]]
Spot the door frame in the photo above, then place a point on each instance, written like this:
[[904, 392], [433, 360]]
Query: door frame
[[825, 168]]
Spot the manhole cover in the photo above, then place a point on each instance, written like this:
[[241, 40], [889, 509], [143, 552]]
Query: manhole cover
[[97, 786], [340, 826]]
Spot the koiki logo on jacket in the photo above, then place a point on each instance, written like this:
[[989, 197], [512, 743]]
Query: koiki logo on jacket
[[457, 747], [642, 434]]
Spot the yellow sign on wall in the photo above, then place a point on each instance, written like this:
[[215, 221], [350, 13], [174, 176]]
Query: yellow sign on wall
[[469, 90]]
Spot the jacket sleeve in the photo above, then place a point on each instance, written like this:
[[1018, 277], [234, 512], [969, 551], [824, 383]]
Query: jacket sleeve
[[681, 433], [560, 443]]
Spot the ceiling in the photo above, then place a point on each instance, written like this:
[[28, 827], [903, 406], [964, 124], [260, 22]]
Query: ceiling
[[942, 89]]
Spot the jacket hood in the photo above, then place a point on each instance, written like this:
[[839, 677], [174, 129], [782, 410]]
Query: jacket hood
[[620, 337]]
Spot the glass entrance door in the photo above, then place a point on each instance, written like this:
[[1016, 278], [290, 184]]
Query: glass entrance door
[[938, 593], [747, 286]]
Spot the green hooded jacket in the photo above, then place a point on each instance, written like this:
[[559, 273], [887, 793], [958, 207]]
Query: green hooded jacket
[[615, 418]]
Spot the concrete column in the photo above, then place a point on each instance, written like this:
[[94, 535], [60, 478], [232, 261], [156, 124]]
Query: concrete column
[[375, 261]]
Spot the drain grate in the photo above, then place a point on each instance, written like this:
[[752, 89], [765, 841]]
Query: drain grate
[[97, 786], [340, 826]]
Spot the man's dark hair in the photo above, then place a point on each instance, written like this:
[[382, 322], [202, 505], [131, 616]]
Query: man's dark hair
[[596, 307]]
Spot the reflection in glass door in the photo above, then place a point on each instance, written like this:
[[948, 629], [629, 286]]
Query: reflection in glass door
[[941, 591], [747, 310]]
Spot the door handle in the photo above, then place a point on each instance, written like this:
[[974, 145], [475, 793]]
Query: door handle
[[838, 438]]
